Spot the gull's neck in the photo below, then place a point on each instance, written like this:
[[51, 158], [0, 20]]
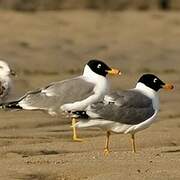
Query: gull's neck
[[145, 90], [152, 94], [4, 76], [102, 85], [92, 76]]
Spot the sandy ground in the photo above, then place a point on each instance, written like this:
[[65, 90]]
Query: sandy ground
[[49, 46]]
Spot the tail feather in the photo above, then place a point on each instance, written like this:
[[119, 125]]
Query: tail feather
[[10, 105], [16, 103], [80, 114]]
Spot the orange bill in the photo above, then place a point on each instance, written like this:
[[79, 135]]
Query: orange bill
[[114, 71], [13, 73], [168, 86]]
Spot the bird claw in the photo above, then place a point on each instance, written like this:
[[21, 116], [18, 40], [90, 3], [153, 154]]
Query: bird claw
[[106, 152], [77, 139]]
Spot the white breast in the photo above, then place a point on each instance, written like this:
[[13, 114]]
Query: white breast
[[101, 83]]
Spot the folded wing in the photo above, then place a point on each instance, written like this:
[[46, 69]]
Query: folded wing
[[127, 107], [54, 95]]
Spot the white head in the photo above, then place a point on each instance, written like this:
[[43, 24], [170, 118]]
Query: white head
[[5, 69]]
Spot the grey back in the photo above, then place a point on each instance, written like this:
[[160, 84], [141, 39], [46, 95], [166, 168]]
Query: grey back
[[58, 93], [127, 107]]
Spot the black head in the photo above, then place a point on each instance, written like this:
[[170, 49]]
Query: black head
[[98, 67], [152, 81]]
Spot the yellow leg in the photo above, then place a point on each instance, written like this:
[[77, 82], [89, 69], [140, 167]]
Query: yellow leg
[[133, 143], [106, 149], [75, 138]]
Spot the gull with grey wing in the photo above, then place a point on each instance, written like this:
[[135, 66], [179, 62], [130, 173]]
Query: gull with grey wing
[[69, 95], [127, 111]]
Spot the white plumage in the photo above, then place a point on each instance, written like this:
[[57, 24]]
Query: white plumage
[[127, 111], [5, 81]]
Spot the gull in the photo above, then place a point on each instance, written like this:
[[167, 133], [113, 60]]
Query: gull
[[69, 95], [5, 81], [125, 111]]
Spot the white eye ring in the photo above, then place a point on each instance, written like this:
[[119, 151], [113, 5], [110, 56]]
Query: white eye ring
[[99, 66], [155, 80]]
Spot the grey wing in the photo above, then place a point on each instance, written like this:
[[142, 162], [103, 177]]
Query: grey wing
[[56, 94], [127, 107], [71, 90]]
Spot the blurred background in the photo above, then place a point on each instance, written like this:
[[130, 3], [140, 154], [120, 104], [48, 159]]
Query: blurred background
[[49, 40], [35, 5]]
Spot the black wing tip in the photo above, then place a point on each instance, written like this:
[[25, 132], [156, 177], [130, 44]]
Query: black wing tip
[[81, 114], [10, 105]]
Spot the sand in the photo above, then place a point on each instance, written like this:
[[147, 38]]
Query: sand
[[49, 46]]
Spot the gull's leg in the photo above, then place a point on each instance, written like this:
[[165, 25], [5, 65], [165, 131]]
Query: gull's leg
[[106, 149], [133, 143], [75, 138]]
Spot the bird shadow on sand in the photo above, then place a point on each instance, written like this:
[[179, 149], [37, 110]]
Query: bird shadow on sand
[[31, 153], [52, 123], [41, 176], [37, 176], [43, 152], [68, 137], [66, 134], [31, 176], [172, 151]]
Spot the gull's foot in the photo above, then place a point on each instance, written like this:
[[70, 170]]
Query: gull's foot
[[76, 139], [106, 152]]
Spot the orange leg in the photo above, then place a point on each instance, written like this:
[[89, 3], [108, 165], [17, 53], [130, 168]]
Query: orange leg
[[106, 149], [133, 143], [75, 138]]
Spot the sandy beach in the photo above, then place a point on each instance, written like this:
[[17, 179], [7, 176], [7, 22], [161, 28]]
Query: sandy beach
[[49, 46]]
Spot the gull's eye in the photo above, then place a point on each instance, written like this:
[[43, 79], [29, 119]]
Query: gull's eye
[[155, 80], [99, 66]]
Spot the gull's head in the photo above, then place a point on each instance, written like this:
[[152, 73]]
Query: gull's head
[[153, 82], [100, 68], [5, 69]]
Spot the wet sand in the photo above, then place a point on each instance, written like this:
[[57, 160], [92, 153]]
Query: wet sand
[[50, 46]]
